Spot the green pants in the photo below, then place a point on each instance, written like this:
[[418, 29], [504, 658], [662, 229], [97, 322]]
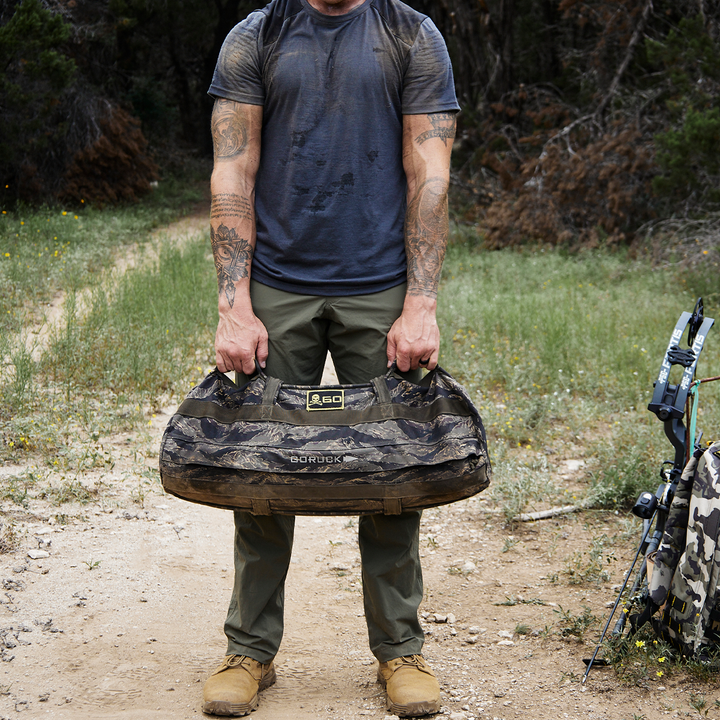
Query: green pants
[[301, 329]]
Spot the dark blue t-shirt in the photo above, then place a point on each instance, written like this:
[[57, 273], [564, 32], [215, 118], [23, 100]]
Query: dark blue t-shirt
[[330, 193]]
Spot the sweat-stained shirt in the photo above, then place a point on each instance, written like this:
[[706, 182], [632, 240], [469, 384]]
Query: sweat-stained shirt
[[330, 194]]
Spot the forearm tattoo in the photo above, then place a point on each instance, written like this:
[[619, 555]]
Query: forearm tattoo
[[233, 257], [230, 205], [426, 231], [443, 127], [229, 130]]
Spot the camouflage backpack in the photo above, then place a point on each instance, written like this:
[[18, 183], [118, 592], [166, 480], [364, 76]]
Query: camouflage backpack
[[385, 446], [684, 580]]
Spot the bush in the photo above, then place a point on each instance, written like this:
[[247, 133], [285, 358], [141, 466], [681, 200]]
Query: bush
[[594, 194], [115, 167], [690, 156]]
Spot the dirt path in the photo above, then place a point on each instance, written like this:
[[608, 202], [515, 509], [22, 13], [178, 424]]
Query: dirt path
[[121, 616], [36, 337]]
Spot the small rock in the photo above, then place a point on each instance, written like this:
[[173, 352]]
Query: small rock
[[471, 640], [458, 716], [20, 568], [507, 643], [44, 697], [10, 642], [440, 618], [450, 619], [474, 630], [38, 554], [499, 692], [505, 634]]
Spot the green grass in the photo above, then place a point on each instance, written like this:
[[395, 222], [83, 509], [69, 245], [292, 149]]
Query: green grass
[[138, 339], [107, 368], [51, 249], [560, 353]]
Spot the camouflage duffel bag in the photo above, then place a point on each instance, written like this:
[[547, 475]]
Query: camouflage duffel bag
[[386, 446]]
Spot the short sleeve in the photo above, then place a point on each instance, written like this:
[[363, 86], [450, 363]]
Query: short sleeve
[[428, 84], [238, 72]]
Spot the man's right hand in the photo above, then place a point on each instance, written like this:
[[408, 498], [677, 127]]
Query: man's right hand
[[240, 340]]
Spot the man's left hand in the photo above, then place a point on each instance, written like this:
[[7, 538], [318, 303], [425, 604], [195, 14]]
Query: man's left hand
[[414, 338]]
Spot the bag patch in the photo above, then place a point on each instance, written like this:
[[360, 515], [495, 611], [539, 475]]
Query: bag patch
[[320, 399]]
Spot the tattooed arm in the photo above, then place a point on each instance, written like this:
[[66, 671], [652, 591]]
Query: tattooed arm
[[240, 336], [427, 143]]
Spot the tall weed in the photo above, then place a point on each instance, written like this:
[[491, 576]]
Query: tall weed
[[141, 337], [561, 352], [50, 249]]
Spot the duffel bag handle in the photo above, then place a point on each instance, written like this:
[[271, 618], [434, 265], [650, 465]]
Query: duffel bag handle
[[380, 385]]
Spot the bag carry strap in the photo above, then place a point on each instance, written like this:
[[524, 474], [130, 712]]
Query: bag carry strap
[[272, 386], [192, 407], [381, 390], [260, 506], [392, 506]]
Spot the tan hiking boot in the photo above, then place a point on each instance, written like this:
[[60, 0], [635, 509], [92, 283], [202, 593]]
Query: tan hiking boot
[[234, 686], [411, 686]]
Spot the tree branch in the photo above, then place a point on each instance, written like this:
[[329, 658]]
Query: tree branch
[[634, 40]]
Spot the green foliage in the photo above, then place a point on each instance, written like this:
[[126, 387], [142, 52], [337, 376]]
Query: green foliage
[[141, 334], [641, 657], [50, 249], [35, 71], [518, 485], [575, 626], [619, 478], [690, 155], [689, 152], [690, 57], [585, 567], [560, 354]]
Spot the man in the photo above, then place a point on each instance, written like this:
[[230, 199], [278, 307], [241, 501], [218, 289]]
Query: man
[[332, 128]]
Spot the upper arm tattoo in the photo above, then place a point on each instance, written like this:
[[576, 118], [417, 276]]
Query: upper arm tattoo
[[443, 127], [229, 130], [426, 231], [233, 256]]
